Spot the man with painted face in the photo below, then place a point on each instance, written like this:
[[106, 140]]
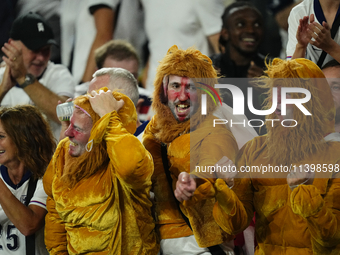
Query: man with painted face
[[179, 138], [297, 208], [98, 182]]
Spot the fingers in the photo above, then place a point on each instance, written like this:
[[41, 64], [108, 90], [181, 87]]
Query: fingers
[[104, 102], [304, 21], [321, 36], [10, 51], [94, 93], [185, 187], [316, 28], [326, 26], [183, 177]]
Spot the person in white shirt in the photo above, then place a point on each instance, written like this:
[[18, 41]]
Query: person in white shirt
[[28, 77], [309, 31]]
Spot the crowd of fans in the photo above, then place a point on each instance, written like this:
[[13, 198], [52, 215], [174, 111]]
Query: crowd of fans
[[123, 178]]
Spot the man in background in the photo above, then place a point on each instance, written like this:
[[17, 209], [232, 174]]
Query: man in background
[[28, 77]]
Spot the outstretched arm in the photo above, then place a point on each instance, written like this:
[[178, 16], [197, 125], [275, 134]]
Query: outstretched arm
[[186, 184], [234, 208], [185, 187]]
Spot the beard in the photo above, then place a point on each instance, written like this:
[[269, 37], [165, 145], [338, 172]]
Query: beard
[[87, 164]]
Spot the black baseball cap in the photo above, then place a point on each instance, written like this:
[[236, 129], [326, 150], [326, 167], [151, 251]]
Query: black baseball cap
[[33, 30]]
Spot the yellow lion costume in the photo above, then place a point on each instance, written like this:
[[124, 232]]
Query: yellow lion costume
[[98, 203], [305, 220], [192, 140]]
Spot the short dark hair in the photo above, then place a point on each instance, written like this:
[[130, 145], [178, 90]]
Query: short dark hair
[[237, 4], [32, 136], [331, 63], [117, 49]]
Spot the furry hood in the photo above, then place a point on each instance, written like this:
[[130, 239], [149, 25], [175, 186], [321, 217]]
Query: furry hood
[[308, 76], [95, 158], [293, 144], [189, 63], [127, 113]]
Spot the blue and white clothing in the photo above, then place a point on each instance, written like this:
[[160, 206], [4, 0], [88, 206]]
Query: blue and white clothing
[[306, 8], [11, 239]]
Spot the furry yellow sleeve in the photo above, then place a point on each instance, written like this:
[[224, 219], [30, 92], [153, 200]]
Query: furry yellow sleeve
[[321, 211], [55, 233], [233, 211], [132, 162], [234, 208]]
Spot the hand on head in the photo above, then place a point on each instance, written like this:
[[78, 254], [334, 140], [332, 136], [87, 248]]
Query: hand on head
[[185, 187], [104, 102]]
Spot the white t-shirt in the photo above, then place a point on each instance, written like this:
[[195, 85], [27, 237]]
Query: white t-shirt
[[130, 25], [184, 23], [56, 78], [305, 8], [11, 239], [78, 32]]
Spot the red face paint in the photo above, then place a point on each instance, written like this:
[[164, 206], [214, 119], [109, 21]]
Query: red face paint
[[182, 97], [78, 132]]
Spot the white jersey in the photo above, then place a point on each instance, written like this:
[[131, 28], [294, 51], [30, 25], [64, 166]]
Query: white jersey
[[78, 33], [306, 8], [11, 239], [184, 23]]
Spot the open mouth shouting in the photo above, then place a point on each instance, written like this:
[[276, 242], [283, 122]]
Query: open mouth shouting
[[182, 110]]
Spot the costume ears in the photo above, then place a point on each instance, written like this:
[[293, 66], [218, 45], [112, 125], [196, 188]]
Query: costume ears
[[172, 49]]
